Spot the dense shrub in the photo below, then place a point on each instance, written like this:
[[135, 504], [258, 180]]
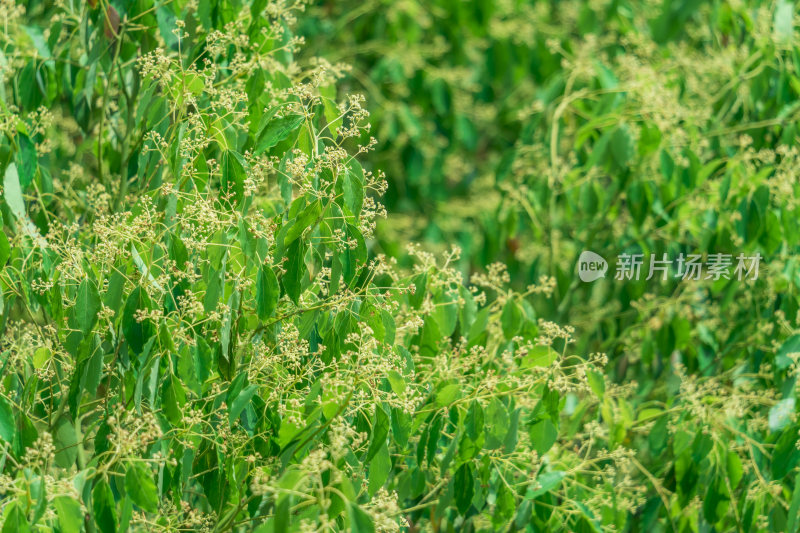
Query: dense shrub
[[200, 332]]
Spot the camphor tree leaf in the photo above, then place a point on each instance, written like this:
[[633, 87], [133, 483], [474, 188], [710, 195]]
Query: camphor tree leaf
[[545, 483], [277, 130], [8, 427], [142, 266], [543, 434], [65, 441], [446, 313], [596, 382], [396, 382], [380, 429], [292, 280], [464, 485], [353, 258], [360, 521], [353, 188], [307, 218], [622, 147], [240, 402], [267, 292], [87, 305], [379, 468], [790, 346], [27, 160], [12, 192], [15, 520], [511, 318], [137, 332], [105, 512], [793, 523], [497, 423], [70, 517], [233, 176], [5, 249], [448, 394], [140, 487], [332, 114]]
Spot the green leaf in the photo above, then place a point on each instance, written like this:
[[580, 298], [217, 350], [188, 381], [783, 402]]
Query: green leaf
[[511, 319], [282, 513], [539, 356], [497, 423], [785, 455], [267, 292], [711, 501], [622, 147], [380, 429], [241, 401], [27, 161], [12, 193], [353, 188], [38, 492], [352, 259], [166, 23], [474, 421], [194, 83], [137, 333], [734, 468], [16, 522], [87, 305], [379, 468], [783, 21], [70, 518], [790, 346], [105, 512], [277, 130], [173, 399], [213, 289], [793, 524], [306, 219], [545, 483], [464, 485], [8, 428], [332, 115], [543, 435], [360, 521], [295, 269], [446, 313], [432, 442], [142, 266], [65, 441], [657, 438], [396, 382], [233, 176], [140, 487], [781, 414], [5, 250], [448, 394], [420, 282], [596, 383]]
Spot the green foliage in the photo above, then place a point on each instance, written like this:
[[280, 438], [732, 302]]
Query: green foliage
[[202, 326], [528, 132]]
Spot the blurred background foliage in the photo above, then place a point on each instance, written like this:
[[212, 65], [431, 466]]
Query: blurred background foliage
[[526, 132]]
